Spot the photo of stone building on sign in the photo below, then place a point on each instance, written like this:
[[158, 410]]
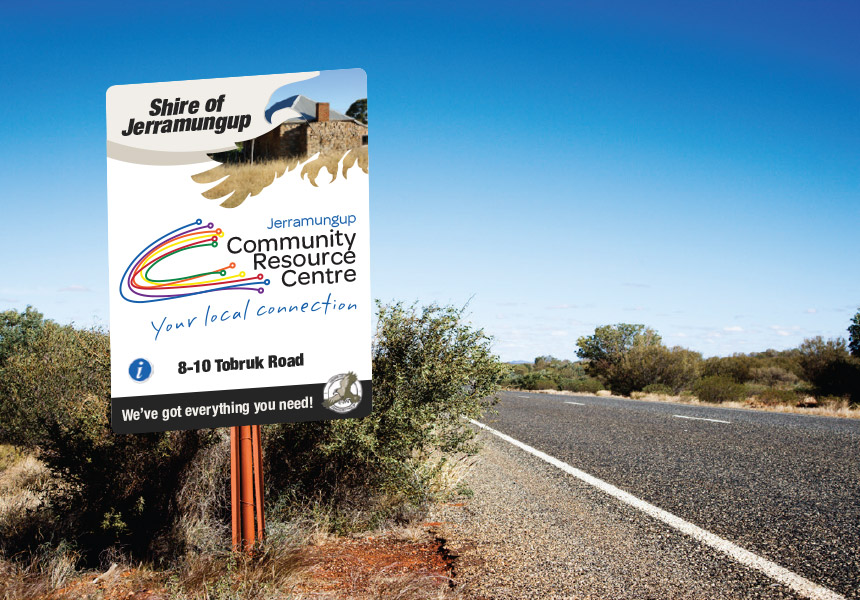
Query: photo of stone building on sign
[[307, 133], [314, 128]]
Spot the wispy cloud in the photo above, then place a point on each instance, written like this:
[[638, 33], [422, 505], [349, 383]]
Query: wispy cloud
[[636, 285], [811, 311], [562, 306], [75, 288], [734, 328]]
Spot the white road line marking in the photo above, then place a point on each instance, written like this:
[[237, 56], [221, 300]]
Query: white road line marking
[[702, 419], [522, 396], [799, 584], [577, 403]]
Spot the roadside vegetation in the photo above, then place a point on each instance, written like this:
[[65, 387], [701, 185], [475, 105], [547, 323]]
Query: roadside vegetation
[[75, 497], [631, 360]]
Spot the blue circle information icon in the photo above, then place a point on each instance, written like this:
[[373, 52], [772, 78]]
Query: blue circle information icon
[[140, 369]]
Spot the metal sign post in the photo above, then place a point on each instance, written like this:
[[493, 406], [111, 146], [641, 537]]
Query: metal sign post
[[246, 487]]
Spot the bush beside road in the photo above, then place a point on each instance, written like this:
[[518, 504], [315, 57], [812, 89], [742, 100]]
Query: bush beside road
[[74, 495]]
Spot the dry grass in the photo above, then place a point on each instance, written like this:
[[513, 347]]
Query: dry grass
[[237, 181], [272, 572], [43, 574], [23, 489], [448, 474], [300, 559], [9, 455], [24, 481], [406, 563], [833, 407], [203, 524]]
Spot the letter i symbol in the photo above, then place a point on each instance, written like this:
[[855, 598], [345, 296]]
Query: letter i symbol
[[140, 369]]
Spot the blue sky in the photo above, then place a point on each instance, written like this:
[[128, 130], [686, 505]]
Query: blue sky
[[339, 88], [688, 165]]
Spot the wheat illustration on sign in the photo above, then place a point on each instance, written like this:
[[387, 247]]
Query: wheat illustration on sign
[[309, 134], [143, 281]]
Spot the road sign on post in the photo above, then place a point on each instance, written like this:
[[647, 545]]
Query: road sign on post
[[239, 261]]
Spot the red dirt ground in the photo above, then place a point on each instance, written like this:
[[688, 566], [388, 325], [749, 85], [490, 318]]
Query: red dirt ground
[[342, 568], [358, 565]]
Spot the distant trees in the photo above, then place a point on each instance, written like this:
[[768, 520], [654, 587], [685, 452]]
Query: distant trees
[[854, 335], [628, 357], [550, 373], [610, 343], [631, 357], [672, 369], [358, 110]]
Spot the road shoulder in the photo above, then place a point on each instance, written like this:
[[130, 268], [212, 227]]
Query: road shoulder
[[531, 531]]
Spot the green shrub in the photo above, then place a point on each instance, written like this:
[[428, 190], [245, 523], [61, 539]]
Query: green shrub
[[754, 389], [543, 383], [770, 367], [590, 384], [738, 367], [658, 388], [431, 371], [537, 381], [112, 489], [828, 366], [18, 331], [547, 373], [566, 383], [587, 384], [514, 376], [774, 397], [675, 368], [773, 376], [719, 388], [628, 358]]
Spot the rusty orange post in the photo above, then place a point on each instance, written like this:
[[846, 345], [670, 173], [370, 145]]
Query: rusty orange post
[[246, 483], [246, 486], [258, 481], [234, 487]]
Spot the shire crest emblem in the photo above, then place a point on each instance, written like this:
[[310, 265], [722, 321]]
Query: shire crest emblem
[[342, 393]]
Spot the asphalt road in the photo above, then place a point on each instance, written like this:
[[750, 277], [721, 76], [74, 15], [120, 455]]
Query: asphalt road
[[784, 486]]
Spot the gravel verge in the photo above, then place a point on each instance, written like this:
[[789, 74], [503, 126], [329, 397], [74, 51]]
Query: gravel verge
[[531, 531]]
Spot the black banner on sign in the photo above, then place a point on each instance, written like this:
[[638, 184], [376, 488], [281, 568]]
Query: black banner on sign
[[255, 406]]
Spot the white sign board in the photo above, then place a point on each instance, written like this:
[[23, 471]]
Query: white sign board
[[239, 251]]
